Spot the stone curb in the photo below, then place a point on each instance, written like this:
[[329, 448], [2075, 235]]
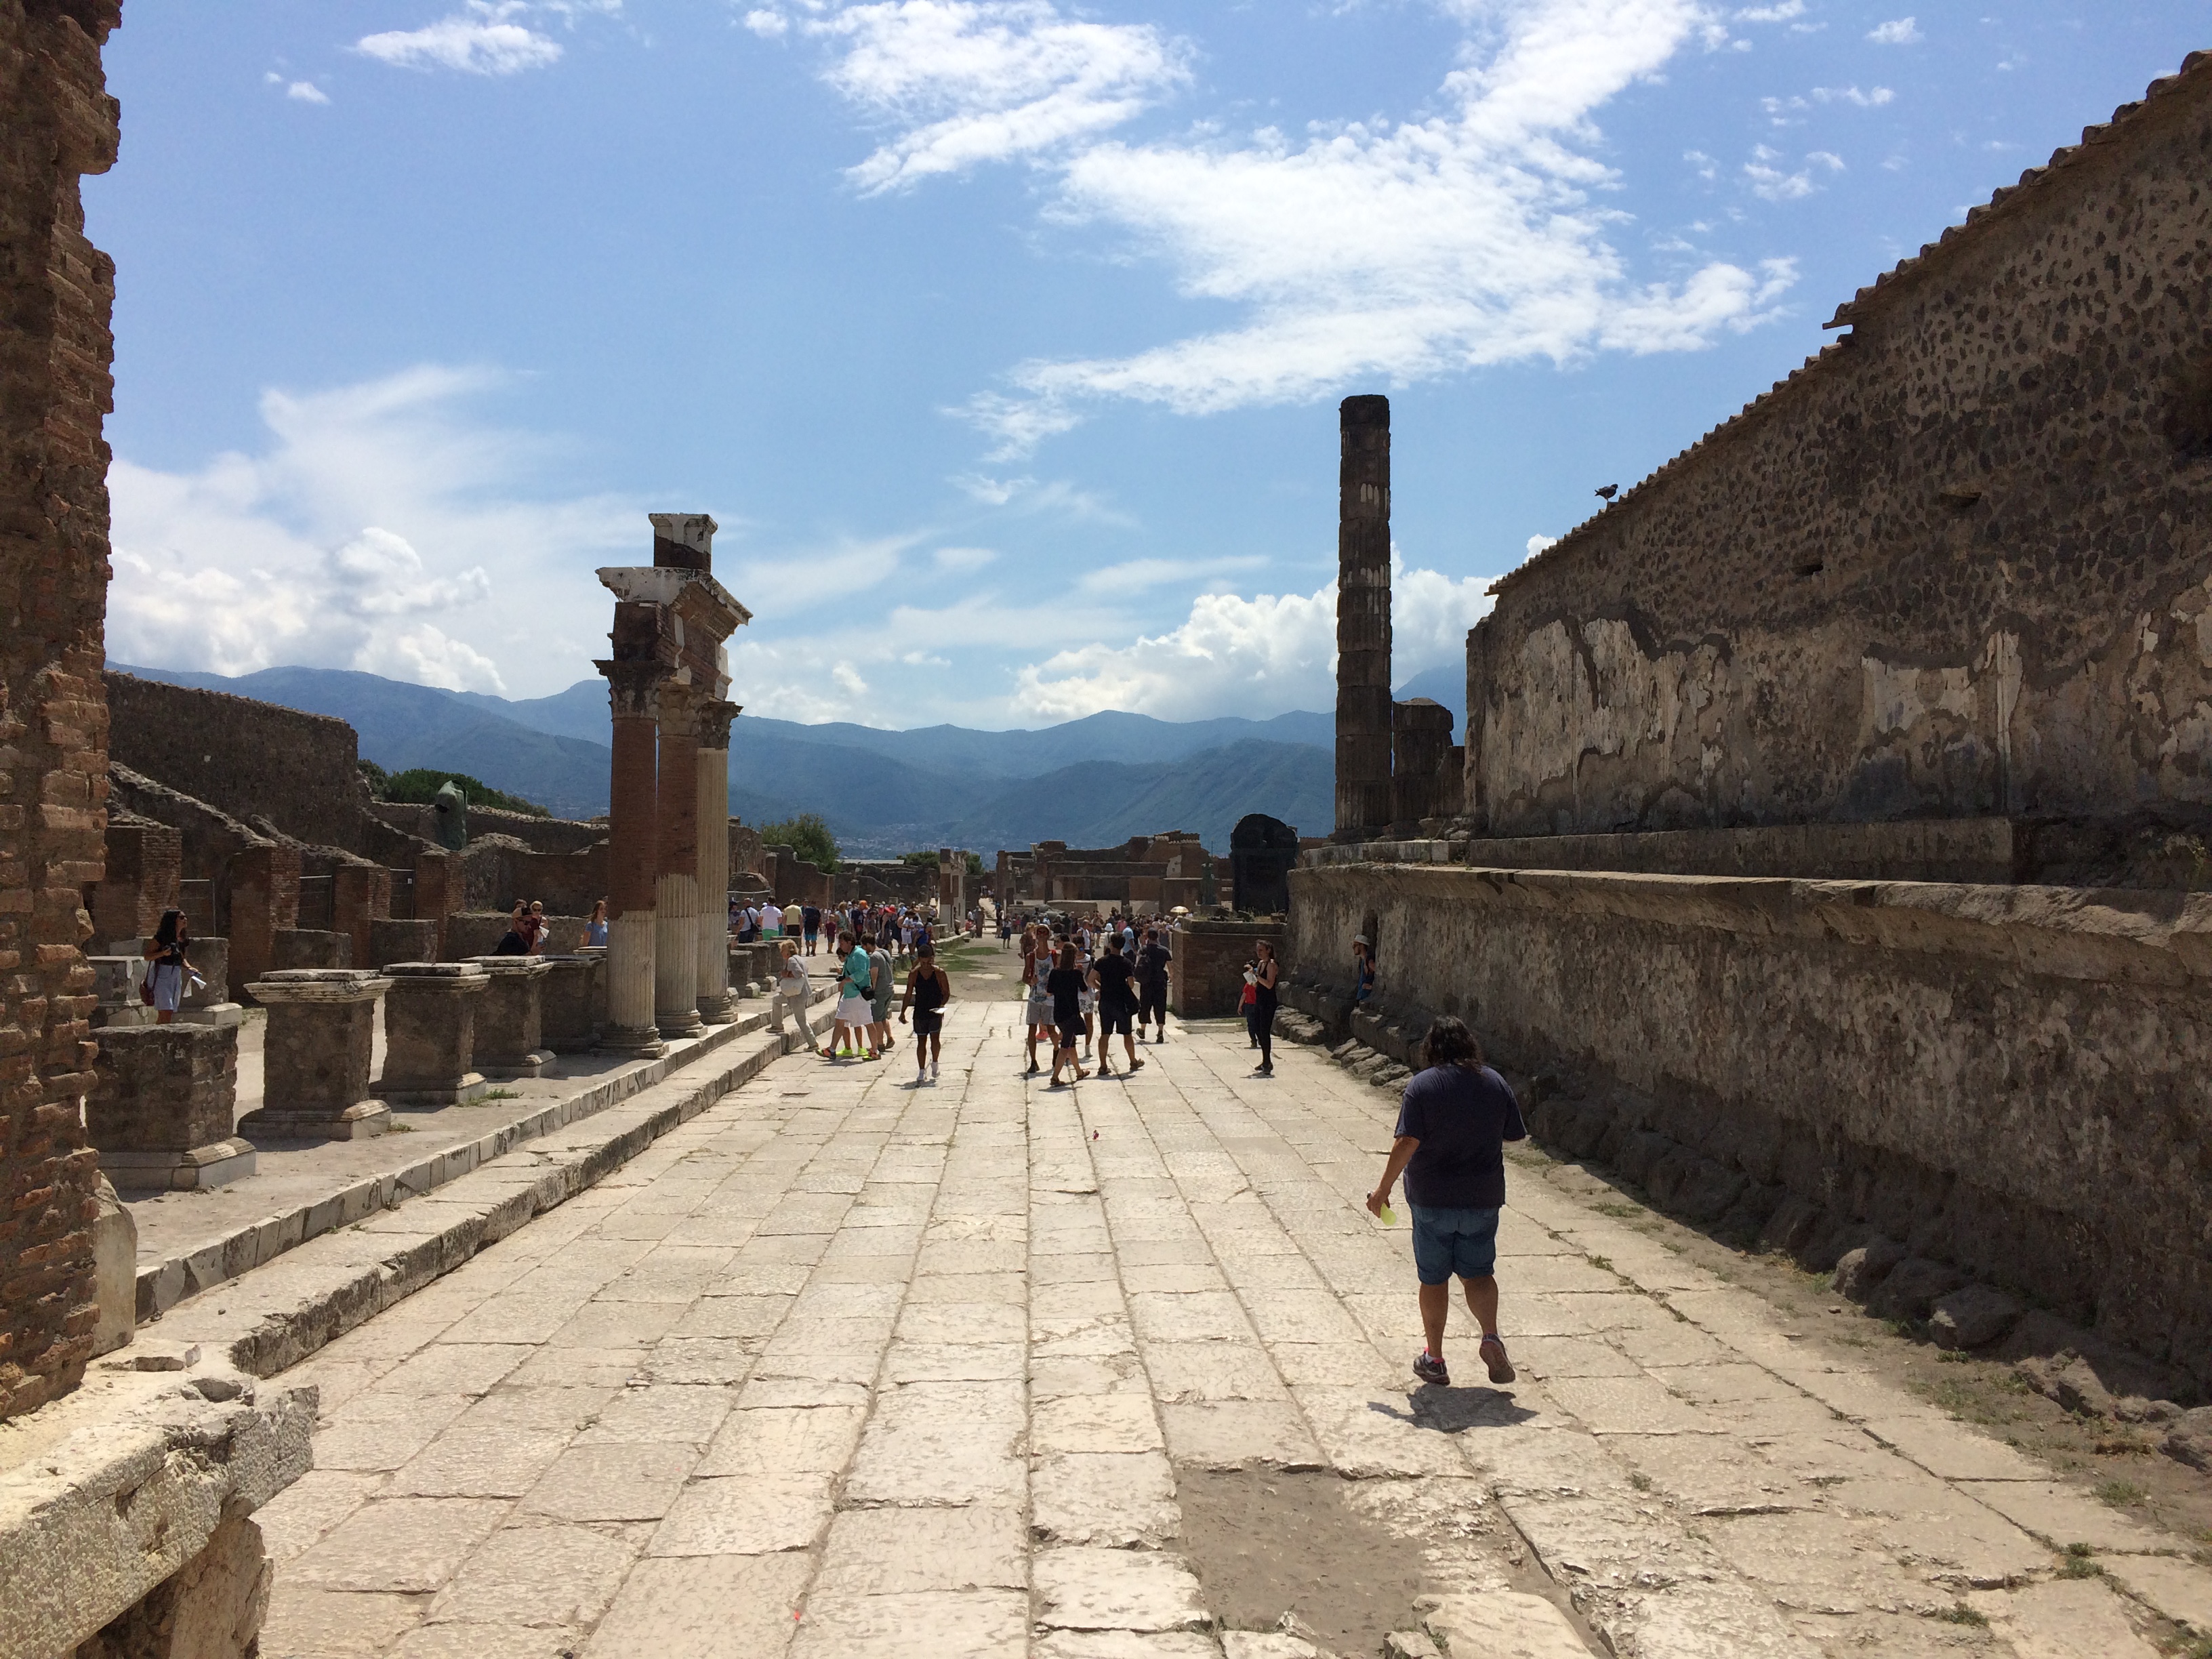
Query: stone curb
[[162, 1285], [276, 1316]]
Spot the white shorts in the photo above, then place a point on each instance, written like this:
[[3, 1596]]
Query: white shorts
[[1087, 1001], [855, 1010]]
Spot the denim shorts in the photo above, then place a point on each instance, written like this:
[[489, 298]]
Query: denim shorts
[[1448, 1241]]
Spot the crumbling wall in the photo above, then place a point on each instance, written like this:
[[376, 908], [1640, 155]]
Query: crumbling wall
[[417, 819], [2015, 1080], [56, 292], [1959, 565], [247, 757]]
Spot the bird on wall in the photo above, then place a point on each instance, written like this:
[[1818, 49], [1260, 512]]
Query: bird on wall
[[1609, 491]]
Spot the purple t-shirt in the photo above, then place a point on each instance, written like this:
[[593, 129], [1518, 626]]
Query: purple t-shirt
[[1462, 1115]]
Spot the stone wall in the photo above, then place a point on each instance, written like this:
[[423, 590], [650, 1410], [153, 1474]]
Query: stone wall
[[1205, 976], [539, 835], [56, 291], [1960, 564], [248, 758], [2015, 1080]]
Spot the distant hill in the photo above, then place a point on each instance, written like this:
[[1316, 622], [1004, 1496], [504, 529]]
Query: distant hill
[[1090, 782]]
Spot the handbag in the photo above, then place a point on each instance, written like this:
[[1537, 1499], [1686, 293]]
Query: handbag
[[146, 985]]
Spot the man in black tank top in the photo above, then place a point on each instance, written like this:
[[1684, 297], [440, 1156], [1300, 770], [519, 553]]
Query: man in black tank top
[[927, 990]]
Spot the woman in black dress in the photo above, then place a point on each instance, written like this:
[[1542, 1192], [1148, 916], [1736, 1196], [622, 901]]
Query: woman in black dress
[[1260, 1015]]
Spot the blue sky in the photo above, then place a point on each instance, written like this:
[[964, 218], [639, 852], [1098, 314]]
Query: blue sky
[[1003, 338]]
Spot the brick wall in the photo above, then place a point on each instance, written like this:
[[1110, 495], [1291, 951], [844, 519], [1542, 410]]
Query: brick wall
[[56, 294], [249, 758], [1959, 565], [145, 862]]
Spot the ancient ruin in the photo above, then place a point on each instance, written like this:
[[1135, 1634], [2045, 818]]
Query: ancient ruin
[[1834, 801], [1823, 864]]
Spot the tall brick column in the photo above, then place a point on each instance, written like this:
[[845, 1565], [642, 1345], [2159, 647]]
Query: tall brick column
[[716, 1006], [675, 935], [632, 851], [56, 294], [1363, 617]]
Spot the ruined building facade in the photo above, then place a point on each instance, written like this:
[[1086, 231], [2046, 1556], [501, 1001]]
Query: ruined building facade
[[1834, 836], [56, 292], [1956, 566]]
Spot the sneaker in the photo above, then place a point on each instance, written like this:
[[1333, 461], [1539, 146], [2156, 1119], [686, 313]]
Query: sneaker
[[1136, 1065], [1263, 1071], [1493, 1356], [932, 1070], [1430, 1370]]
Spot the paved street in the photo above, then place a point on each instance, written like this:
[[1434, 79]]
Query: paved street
[[847, 1366]]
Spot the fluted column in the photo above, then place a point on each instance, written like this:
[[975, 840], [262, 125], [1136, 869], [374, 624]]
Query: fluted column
[[633, 838], [1363, 617], [676, 936], [716, 1006]]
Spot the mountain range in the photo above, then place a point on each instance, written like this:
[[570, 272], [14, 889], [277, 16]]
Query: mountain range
[[1090, 782]]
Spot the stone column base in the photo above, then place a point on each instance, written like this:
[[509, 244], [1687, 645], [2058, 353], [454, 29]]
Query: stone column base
[[470, 1088], [640, 1044], [358, 1122], [509, 1069], [201, 1166], [718, 1008]]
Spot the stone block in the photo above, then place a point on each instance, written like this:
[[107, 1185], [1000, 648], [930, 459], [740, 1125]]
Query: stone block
[[211, 1608], [1908, 1289], [304, 947], [1861, 1269], [510, 1019], [1971, 1316], [429, 1033], [115, 1266], [393, 939], [315, 1057], [566, 1024], [161, 1104]]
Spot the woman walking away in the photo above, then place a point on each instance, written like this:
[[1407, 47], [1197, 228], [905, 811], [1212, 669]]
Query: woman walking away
[[1452, 1125], [167, 967], [1261, 1015], [1115, 981], [595, 930], [853, 979], [1037, 968], [1065, 985], [927, 990], [793, 990]]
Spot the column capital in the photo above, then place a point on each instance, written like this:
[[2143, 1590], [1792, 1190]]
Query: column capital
[[679, 710], [634, 689], [714, 717]]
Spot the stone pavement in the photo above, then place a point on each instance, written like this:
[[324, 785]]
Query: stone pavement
[[847, 1366]]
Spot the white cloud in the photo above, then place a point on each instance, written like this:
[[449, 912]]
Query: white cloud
[[794, 579], [962, 558], [307, 92], [1374, 252], [1874, 100], [373, 531], [1137, 575], [969, 81], [1902, 32], [1776, 14], [768, 25], [485, 38], [1254, 656], [1770, 183], [1538, 544]]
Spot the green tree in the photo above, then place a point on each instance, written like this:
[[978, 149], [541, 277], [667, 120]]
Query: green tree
[[808, 836], [421, 784]]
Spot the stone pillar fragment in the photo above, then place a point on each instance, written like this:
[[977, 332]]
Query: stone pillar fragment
[[567, 1023], [1363, 617], [511, 1019], [1420, 749], [715, 1005], [676, 934], [429, 1033], [633, 837], [160, 1107], [322, 1029]]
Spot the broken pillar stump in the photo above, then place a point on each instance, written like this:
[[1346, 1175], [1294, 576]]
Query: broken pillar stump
[[322, 1027], [160, 1107], [430, 1033], [566, 1024], [511, 1020]]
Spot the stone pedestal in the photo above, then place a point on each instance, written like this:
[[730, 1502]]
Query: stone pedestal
[[308, 947], [510, 1020], [322, 1025], [429, 1033], [392, 939], [160, 1107], [571, 988]]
